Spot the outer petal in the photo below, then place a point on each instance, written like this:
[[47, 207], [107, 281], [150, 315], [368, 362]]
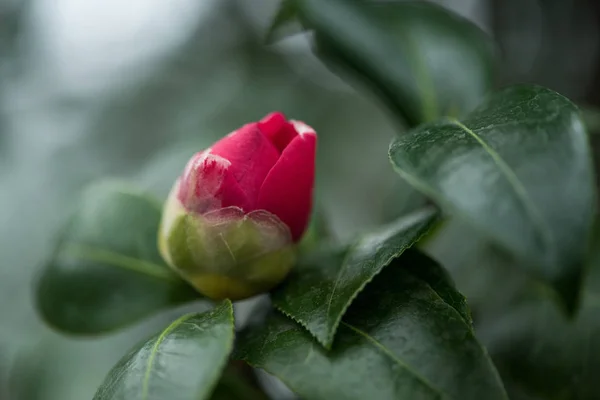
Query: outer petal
[[208, 184], [279, 131], [251, 156], [287, 190]]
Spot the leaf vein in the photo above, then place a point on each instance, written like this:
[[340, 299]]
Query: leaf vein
[[159, 340], [393, 357], [530, 207], [94, 254]]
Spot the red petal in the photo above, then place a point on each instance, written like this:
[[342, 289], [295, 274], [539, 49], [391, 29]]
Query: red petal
[[279, 131], [208, 184], [287, 190], [251, 155]]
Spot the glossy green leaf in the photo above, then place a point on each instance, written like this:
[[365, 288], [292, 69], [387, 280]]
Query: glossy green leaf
[[518, 169], [439, 280], [324, 283], [423, 60], [398, 340], [183, 362], [106, 271]]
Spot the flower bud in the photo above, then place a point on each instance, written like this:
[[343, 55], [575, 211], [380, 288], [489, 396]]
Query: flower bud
[[232, 219]]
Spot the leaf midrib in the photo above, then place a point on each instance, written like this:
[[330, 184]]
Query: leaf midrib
[[109, 257], [531, 209], [397, 360], [393, 357], [348, 257], [159, 340]]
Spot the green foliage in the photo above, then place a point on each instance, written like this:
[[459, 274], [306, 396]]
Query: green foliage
[[541, 353], [322, 286], [106, 271], [375, 318], [423, 61], [399, 339], [519, 169], [182, 362]]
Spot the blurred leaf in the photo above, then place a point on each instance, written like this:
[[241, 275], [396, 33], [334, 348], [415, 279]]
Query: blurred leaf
[[318, 231], [488, 276], [106, 271], [323, 285], [591, 118], [538, 40], [287, 12], [235, 384], [423, 60], [183, 362], [399, 340], [518, 169], [438, 279], [540, 353], [28, 378]]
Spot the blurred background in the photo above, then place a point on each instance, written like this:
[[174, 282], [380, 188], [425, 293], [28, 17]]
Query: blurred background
[[131, 89]]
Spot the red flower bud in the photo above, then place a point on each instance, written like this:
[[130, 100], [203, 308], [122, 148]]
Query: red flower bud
[[230, 222], [267, 165]]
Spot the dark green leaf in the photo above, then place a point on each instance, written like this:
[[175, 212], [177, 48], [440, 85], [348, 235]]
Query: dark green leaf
[[438, 279], [540, 353], [398, 340], [518, 169], [106, 271], [238, 382], [424, 61], [591, 118], [323, 285], [183, 362], [543, 355]]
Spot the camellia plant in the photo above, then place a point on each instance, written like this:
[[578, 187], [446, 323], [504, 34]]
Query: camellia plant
[[373, 318]]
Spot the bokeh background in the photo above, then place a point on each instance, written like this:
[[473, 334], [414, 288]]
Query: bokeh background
[[131, 89]]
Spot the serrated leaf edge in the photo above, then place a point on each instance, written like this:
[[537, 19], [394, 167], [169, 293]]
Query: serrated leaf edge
[[472, 334], [434, 219], [328, 342]]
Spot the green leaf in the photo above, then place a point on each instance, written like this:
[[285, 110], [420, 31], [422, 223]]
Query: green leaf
[[183, 362], [421, 59], [519, 170], [439, 280], [238, 382], [324, 283], [106, 272], [399, 340]]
